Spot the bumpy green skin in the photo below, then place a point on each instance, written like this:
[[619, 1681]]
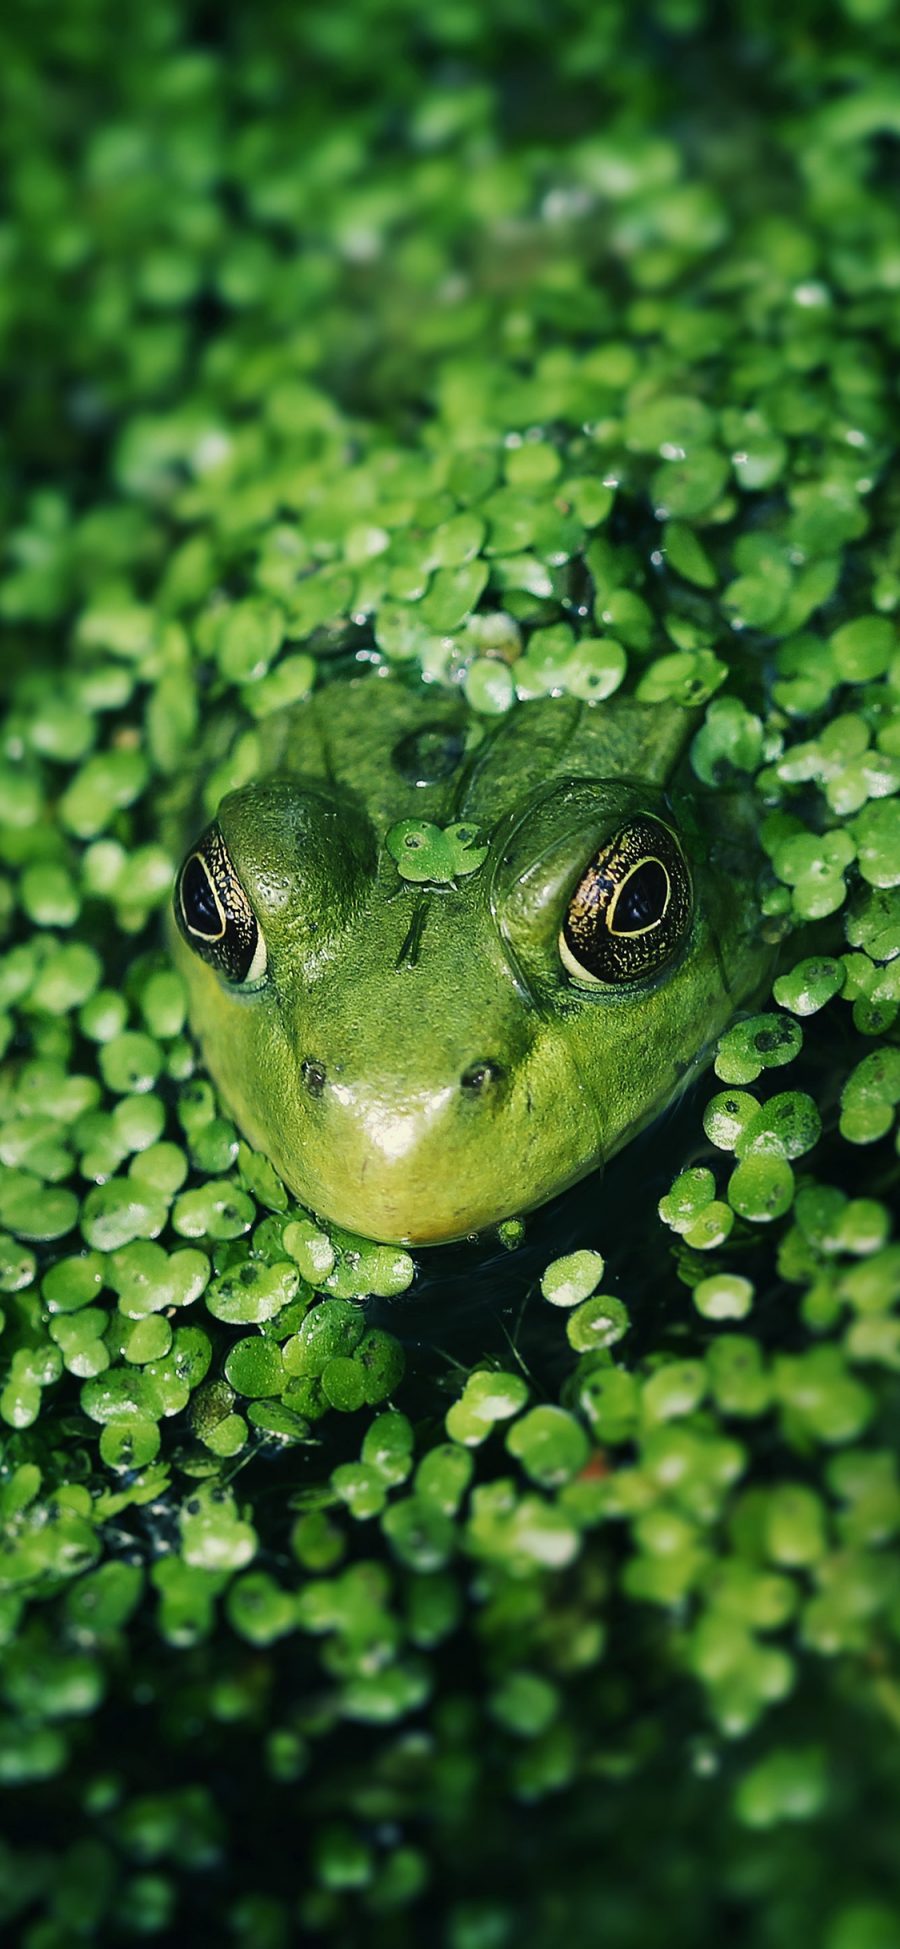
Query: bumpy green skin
[[396, 992]]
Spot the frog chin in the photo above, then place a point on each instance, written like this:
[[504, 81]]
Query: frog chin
[[403, 1213]]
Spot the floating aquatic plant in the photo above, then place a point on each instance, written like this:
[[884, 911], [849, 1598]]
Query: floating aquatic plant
[[497, 380]]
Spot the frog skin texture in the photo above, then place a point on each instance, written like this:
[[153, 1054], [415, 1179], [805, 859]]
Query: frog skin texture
[[422, 1057]]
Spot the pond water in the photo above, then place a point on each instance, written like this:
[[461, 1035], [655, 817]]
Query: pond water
[[545, 1582]]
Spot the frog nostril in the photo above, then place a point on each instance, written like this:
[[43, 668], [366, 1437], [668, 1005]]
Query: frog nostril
[[481, 1076], [314, 1075]]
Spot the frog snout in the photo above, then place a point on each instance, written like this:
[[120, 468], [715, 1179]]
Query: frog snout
[[405, 1158], [480, 1078], [411, 1134]]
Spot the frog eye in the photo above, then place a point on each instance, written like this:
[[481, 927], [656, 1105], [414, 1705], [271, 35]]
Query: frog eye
[[215, 916], [631, 909]]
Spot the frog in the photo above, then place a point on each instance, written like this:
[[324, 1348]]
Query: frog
[[442, 966]]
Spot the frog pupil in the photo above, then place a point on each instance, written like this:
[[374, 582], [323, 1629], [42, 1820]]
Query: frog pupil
[[642, 899], [201, 909]]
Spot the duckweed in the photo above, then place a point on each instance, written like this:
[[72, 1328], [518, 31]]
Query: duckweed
[[424, 852], [569, 1280], [515, 386], [761, 1188], [598, 1322], [724, 1296], [809, 986], [550, 1444], [761, 1042]]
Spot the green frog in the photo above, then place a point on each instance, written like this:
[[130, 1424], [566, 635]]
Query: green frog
[[441, 966]]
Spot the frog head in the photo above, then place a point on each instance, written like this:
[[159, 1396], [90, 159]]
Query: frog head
[[426, 1044]]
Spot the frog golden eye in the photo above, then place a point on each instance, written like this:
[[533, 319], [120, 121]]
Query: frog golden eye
[[631, 909], [215, 916]]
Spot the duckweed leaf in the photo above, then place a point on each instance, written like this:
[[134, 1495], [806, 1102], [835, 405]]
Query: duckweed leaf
[[253, 1293], [489, 1396], [597, 1322], [425, 852], [443, 1476], [724, 1296], [491, 690], [761, 1042], [687, 677], [388, 1446], [571, 1279], [550, 1444], [312, 1249], [692, 1192], [214, 1537], [730, 739], [787, 1125], [809, 986], [343, 1381], [362, 1268], [761, 1188], [870, 1096], [218, 1210], [258, 1609], [254, 1367]]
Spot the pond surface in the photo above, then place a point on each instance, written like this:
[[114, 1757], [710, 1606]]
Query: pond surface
[[548, 1582]]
